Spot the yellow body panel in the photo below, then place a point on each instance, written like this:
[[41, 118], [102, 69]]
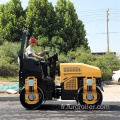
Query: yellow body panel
[[78, 70], [69, 72], [27, 93]]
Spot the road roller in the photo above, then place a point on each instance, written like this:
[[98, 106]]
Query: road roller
[[78, 81]]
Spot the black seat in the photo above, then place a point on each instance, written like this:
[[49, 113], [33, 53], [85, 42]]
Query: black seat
[[32, 65]]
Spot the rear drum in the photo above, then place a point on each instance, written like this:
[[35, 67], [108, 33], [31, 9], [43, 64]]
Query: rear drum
[[32, 106]]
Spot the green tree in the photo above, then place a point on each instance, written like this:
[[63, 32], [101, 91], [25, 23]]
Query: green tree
[[12, 20], [69, 27], [40, 18], [58, 44], [43, 42]]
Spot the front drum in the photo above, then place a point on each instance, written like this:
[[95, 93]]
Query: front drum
[[32, 106]]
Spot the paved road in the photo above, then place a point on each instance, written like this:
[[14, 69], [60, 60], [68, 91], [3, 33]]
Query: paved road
[[58, 110]]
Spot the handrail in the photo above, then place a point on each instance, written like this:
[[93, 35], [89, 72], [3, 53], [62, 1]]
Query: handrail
[[20, 54]]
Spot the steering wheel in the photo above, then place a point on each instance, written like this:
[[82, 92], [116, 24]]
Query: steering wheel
[[47, 53]]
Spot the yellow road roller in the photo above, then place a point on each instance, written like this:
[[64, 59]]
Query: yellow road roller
[[78, 81]]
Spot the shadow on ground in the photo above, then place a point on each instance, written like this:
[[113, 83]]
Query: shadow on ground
[[103, 107]]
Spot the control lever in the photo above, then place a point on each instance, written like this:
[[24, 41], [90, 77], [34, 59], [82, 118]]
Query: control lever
[[47, 53]]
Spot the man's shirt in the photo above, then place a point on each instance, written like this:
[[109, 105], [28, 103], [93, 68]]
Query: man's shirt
[[29, 51]]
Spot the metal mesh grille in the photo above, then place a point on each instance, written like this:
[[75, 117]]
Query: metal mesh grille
[[71, 69], [71, 84]]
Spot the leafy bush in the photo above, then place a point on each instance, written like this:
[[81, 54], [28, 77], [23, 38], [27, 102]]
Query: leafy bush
[[1, 42], [7, 69], [8, 59], [9, 54], [107, 65]]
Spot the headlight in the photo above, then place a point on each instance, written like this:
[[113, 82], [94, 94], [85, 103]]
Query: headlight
[[89, 82], [31, 82]]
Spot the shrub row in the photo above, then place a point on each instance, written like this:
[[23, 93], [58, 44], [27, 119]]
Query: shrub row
[[9, 55]]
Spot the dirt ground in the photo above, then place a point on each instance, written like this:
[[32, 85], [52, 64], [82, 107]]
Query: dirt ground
[[3, 94], [8, 83]]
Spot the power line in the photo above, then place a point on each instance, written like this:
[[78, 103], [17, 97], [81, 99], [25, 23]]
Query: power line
[[115, 16], [96, 18], [91, 14], [90, 21], [98, 15], [92, 10], [114, 9], [114, 19], [93, 21], [104, 33]]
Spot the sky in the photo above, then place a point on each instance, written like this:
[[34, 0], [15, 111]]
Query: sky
[[93, 15]]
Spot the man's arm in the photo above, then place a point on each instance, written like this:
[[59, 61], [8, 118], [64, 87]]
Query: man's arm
[[42, 52], [34, 55]]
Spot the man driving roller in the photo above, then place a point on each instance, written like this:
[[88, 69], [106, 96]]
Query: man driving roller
[[31, 54]]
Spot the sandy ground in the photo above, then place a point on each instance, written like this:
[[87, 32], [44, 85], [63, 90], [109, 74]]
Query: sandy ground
[[111, 93], [8, 83]]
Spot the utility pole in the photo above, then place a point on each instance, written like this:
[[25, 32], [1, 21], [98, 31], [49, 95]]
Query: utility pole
[[107, 14]]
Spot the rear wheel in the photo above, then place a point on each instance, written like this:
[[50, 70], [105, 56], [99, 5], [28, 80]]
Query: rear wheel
[[99, 100], [119, 80], [32, 106]]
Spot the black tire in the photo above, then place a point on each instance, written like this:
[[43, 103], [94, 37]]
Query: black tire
[[32, 106], [99, 95], [119, 80]]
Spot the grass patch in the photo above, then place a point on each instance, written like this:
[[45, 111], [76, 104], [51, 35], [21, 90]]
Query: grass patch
[[9, 79]]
